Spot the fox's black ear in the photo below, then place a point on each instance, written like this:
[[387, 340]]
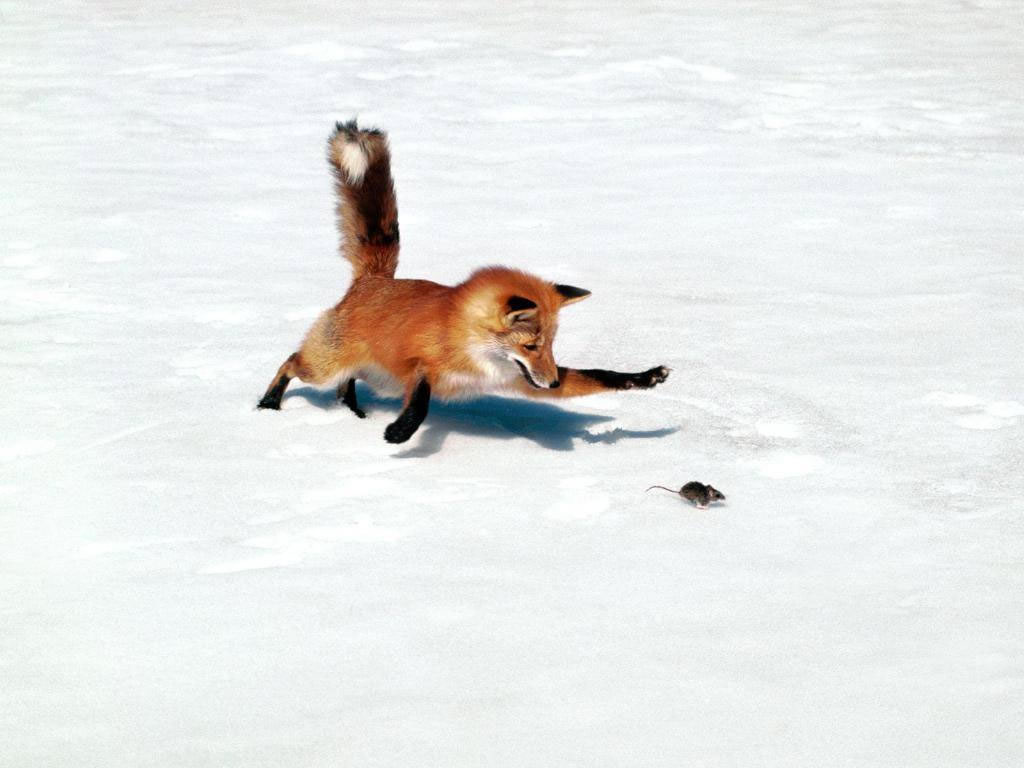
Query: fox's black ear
[[571, 294], [518, 309]]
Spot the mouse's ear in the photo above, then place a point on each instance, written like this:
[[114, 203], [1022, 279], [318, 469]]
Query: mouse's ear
[[570, 294]]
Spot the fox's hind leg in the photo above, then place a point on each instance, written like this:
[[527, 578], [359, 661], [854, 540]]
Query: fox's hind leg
[[325, 357], [312, 368], [347, 395], [272, 397]]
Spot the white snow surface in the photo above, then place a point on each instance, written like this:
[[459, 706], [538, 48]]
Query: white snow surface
[[813, 212]]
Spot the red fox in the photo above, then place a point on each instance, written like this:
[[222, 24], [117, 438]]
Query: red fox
[[493, 332]]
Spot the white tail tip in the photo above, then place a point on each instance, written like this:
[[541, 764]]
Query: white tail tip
[[354, 160]]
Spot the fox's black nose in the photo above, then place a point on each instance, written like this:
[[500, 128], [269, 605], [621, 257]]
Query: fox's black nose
[[555, 384]]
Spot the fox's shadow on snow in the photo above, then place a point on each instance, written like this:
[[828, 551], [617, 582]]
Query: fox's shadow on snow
[[488, 416]]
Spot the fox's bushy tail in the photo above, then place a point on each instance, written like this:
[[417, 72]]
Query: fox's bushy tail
[[367, 209]]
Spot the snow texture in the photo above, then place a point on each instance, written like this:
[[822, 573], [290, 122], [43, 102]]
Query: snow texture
[[813, 212]]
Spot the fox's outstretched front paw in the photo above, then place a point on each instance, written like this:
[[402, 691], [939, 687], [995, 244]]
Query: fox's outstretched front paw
[[646, 379]]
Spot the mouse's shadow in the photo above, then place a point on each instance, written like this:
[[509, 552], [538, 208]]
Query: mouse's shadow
[[503, 418]]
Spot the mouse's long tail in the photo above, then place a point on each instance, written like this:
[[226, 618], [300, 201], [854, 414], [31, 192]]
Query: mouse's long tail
[[662, 488]]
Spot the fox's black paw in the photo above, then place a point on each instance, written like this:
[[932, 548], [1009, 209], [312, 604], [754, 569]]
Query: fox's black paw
[[347, 395], [397, 432], [270, 403], [646, 379]]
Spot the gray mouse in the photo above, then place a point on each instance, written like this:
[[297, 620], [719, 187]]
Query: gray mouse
[[698, 493]]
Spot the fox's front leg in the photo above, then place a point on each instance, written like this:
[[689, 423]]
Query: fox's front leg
[[576, 382], [589, 380], [416, 405]]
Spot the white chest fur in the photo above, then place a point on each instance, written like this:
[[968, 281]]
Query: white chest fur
[[493, 371]]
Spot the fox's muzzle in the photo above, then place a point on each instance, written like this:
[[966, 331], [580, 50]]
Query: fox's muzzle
[[529, 376]]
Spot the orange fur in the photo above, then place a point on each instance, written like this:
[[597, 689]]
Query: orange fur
[[492, 332], [412, 329]]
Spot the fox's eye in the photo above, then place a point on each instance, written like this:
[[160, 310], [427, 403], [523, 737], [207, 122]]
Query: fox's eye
[[530, 347]]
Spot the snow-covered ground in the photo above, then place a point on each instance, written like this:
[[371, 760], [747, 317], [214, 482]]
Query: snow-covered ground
[[813, 212]]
